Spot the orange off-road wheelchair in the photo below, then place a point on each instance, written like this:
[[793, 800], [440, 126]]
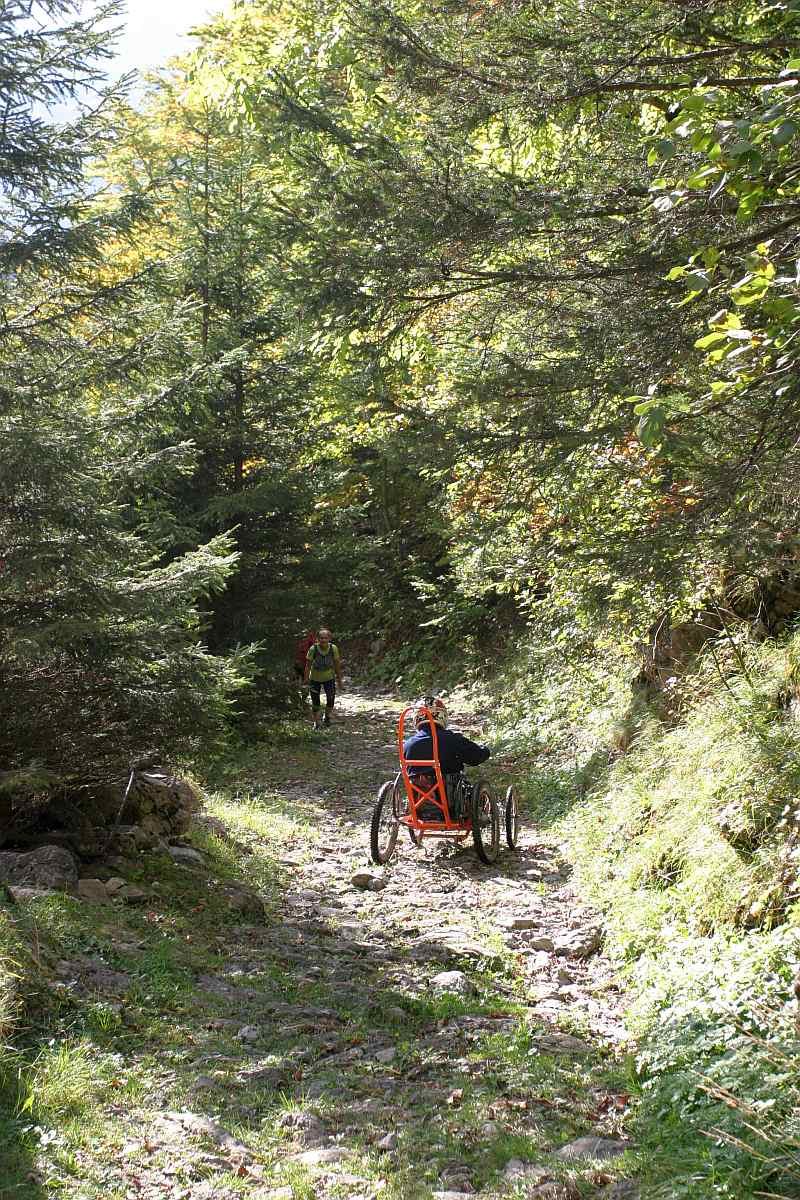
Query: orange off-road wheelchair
[[430, 805]]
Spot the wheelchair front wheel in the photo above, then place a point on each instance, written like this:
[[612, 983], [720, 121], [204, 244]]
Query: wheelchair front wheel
[[512, 819], [485, 823], [385, 825]]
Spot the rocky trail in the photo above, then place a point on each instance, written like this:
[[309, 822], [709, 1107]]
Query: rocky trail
[[431, 1028]]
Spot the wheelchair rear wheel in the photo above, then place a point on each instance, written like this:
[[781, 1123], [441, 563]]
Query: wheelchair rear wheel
[[385, 825], [485, 823], [401, 808], [512, 819]]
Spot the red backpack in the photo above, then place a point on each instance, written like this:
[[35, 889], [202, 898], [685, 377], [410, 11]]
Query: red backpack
[[303, 647]]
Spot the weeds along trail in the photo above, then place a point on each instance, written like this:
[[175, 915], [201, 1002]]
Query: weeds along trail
[[456, 1031]]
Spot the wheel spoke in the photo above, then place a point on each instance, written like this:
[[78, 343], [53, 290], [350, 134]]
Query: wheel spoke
[[385, 825]]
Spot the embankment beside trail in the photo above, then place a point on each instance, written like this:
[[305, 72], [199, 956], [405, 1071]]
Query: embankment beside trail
[[685, 832]]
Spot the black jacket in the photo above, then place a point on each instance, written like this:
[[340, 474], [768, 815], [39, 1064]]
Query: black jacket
[[455, 750]]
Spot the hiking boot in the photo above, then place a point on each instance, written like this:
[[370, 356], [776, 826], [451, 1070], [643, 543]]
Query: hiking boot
[[326, 719]]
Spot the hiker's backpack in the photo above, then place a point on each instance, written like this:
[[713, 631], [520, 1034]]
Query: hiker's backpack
[[323, 662]]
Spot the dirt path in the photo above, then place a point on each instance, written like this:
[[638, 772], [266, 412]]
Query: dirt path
[[455, 1031]]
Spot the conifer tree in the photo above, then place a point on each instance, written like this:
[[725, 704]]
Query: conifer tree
[[100, 642]]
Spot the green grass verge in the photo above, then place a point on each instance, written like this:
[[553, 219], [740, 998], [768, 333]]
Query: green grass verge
[[684, 831]]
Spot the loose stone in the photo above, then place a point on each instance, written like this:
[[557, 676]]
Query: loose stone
[[453, 981], [321, 1156], [541, 943], [93, 890], [187, 856], [592, 1147], [249, 1033]]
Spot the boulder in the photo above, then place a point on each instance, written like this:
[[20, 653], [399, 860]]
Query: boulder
[[93, 890], [51, 868], [131, 894], [22, 895], [130, 840], [157, 792]]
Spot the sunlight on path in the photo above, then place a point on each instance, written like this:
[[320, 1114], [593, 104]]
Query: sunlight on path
[[284, 1021]]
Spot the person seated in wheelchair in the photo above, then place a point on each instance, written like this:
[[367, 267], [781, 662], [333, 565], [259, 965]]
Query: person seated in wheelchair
[[455, 752]]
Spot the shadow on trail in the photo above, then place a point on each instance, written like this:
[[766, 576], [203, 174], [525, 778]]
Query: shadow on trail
[[326, 1029], [19, 1176], [353, 1033], [312, 1049]]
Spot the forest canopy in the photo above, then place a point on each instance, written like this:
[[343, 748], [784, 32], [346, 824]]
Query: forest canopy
[[378, 313]]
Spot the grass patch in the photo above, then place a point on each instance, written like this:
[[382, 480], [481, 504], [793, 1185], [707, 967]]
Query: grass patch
[[684, 831]]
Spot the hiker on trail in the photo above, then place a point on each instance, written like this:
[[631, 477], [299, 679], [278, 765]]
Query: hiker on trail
[[301, 654], [323, 670], [455, 750]]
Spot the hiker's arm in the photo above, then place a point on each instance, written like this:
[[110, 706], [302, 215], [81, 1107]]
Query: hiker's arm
[[307, 667], [472, 754]]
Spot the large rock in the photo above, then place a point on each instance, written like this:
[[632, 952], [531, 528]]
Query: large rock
[[170, 802], [51, 868], [93, 890]]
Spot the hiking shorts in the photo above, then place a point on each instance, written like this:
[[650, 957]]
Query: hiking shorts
[[315, 687]]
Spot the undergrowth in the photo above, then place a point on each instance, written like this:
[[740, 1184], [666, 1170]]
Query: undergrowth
[[681, 816]]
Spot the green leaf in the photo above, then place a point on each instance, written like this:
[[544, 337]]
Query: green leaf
[[710, 339], [749, 205], [702, 178], [785, 132], [699, 281], [650, 430], [751, 291]]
